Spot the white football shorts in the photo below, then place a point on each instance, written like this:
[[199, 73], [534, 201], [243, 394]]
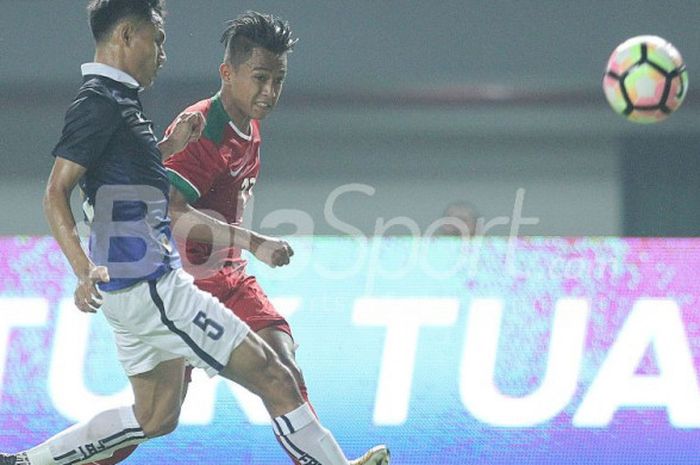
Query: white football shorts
[[168, 318]]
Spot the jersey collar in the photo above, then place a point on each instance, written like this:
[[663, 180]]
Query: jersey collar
[[100, 69], [218, 119], [217, 106]]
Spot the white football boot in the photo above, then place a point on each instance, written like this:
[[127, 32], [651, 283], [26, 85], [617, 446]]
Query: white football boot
[[377, 455]]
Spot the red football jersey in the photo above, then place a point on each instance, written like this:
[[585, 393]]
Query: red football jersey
[[217, 173]]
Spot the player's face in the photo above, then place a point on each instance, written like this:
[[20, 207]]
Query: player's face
[[147, 51], [254, 87]]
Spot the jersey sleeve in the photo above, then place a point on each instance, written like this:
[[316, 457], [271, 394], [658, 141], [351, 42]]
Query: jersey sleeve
[[90, 123], [194, 170]]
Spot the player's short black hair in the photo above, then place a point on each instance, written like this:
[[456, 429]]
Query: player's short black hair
[[253, 29], [105, 14]]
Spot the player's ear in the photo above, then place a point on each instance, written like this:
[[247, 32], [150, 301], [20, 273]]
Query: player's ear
[[225, 72], [124, 32]]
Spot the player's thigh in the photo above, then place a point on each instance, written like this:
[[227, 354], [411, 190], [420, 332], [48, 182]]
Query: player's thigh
[[158, 397], [255, 366]]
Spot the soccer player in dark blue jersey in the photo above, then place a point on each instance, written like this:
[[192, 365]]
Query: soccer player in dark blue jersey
[[133, 272]]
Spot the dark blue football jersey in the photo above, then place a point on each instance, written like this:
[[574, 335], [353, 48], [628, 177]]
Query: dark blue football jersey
[[126, 185]]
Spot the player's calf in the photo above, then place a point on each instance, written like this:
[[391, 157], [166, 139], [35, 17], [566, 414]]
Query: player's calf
[[158, 397]]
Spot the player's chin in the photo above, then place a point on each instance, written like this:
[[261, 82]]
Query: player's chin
[[148, 82], [153, 76], [260, 111]]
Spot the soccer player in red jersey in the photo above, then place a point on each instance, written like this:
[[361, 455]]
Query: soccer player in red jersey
[[217, 174]]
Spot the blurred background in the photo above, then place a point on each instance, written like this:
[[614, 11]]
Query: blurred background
[[426, 102]]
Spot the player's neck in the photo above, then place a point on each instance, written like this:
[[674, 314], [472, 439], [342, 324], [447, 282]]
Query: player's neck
[[239, 119], [111, 56]]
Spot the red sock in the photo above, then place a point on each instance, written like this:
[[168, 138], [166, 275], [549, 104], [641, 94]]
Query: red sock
[[305, 396], [117, 457]]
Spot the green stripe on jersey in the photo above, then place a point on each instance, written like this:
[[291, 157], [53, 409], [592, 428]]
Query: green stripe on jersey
[[184, 186], [217, 119]]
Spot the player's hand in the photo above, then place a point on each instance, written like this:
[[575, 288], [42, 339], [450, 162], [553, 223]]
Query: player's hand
[[271, 251], [187, 128], [86, 297]]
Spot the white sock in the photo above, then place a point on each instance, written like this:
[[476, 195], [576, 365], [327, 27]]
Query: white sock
[[87, 442], [305, 439]]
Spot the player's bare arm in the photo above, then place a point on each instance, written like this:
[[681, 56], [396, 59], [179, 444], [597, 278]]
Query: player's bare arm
[[187, 128], [271, 251], [62, 180]]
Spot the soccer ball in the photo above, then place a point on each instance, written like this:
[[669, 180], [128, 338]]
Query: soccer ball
[[645, 79]]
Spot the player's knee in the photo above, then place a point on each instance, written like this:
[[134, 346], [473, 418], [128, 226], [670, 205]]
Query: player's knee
[[281, 375], [168, 426], [155, 424], [290, 363], [278, 378], [161, 428]]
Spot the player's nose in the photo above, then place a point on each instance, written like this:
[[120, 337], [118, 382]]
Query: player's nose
[[269, 90]]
